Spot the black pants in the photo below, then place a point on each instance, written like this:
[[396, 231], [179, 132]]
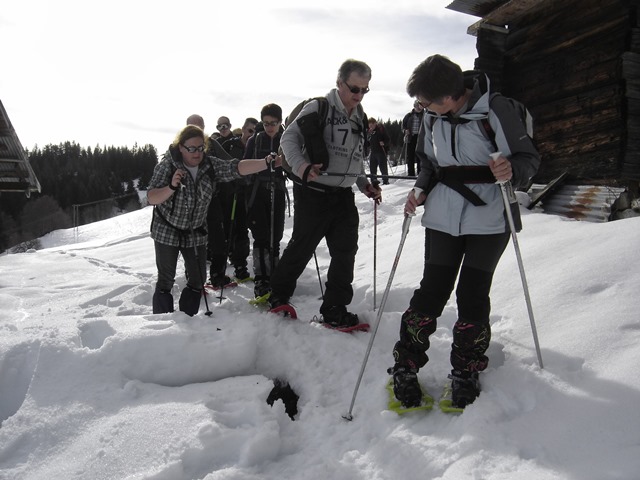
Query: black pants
[[379, 159], [217, 240], [413, 167], [259, 221], [472, 260], [329, 215], [234, 219], [195, 269]]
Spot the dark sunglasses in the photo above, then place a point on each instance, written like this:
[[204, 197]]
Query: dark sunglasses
[[356, 90], [223, 126], [194, 149]]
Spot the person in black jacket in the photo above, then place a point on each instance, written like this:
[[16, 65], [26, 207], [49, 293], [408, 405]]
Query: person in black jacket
[[378, 148], [266, 200], [234, 243], [411, 126]]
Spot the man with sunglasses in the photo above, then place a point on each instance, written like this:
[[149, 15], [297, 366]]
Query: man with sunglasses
[[325, 205]]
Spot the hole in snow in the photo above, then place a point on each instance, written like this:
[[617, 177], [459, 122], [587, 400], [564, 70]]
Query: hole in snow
[[283, 391]]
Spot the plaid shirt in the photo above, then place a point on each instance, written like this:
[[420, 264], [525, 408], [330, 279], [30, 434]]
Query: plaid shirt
[[187, 207]]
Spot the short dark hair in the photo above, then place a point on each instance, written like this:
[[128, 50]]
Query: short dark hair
[[353, 66], [272, 110], [250, 120], [435, 78]]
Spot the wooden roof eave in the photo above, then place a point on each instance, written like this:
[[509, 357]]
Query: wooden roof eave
[[499, 18]]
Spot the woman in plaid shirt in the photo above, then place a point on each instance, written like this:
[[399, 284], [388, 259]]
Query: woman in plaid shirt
[[181, 188]]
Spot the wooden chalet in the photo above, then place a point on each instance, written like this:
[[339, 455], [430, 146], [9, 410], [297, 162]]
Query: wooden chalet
[[16, 174], [576, 65]]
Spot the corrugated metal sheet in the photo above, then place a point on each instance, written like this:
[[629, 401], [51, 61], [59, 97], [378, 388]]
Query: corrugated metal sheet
[[16, 174], [582, 202]]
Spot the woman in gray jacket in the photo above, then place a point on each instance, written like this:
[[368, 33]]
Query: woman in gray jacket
[[466, 227]]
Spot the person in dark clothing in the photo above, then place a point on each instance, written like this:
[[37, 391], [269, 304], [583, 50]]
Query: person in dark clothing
[[378, 148], [466, 238], [229, 207], [411, 126], [266, 201], [324, 206]]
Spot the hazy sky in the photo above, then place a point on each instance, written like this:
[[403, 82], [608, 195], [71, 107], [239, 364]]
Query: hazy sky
[[129, 71]]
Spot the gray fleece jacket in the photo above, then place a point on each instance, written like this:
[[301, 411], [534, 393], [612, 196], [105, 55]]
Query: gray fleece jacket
[[344, 139]]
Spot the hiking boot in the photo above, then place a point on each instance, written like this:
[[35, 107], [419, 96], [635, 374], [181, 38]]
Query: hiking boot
[[275, 302], [338, 317], [219, 281], [241, 274], [261, 288], [405, 386], [465, 388]]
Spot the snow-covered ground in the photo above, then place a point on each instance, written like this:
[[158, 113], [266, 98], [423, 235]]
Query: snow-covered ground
[[93, 386]]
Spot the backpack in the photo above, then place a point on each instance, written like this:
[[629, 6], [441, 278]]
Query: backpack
[[311, 126], [523, 113]]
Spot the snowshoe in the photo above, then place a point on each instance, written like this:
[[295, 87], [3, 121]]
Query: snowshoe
[[338, 317], [282, 308], [360, 327], [396, 405], [242, 275], [261, 301], [218, 282]]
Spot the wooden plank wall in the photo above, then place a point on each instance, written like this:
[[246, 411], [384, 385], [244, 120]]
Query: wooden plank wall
[[564, 61]]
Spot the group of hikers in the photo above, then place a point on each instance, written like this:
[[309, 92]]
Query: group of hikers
[[208, 193]]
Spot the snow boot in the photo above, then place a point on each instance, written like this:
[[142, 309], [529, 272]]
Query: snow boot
[[405, 386], [338, 317], [162, 301], [465, 388], [218, 281], [262, 287], [241, 274], [189, 302]]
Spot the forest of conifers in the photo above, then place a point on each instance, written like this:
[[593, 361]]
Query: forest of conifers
[[69, 175], [83, 185]]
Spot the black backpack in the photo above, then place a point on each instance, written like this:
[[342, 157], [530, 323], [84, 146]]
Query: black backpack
[[311, 126]]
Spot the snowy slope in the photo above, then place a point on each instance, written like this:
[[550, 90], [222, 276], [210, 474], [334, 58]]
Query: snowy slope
[[93, 386]]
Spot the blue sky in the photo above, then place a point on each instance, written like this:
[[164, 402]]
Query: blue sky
[[127, 72]]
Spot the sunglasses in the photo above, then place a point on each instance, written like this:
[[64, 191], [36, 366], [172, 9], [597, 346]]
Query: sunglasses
[[357, 90], [271, 124], [223, 126], [194, 149]]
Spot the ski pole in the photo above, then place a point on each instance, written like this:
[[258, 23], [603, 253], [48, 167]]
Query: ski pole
[[272, 188], [319, 279], [368, 175], [389, 166], [375, 183], [405, 230], [507, 194], [208, 313], [229, 240]]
